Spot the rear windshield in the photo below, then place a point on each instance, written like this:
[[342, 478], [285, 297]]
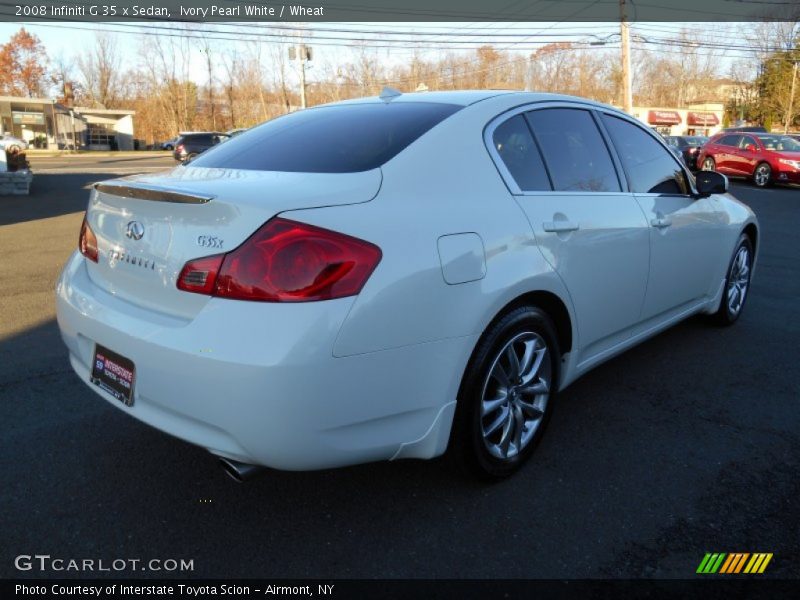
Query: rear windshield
[[202, 137], [329, 139]]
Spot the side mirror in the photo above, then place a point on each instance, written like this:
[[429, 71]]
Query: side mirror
[[750, 148], [710, 182]]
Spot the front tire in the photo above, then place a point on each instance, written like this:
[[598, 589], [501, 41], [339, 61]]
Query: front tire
[[506, 394], [737, 283], [709, 164], [762, 175]]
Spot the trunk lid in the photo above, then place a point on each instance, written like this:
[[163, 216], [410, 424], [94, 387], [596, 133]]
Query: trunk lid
[[149, 226]]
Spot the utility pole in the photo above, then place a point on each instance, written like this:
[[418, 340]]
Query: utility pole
[[302, 53], [625, 43], [791, 100]]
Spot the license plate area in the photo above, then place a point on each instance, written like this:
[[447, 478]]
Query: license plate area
[[114, 374]]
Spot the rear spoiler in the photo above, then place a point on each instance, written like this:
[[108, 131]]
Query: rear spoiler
[[155, 194]]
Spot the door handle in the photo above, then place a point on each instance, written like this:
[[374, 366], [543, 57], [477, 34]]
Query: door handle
[[661, 222], [559, 226]]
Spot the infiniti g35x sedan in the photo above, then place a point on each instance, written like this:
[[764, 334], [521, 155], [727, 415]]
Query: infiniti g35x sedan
[[390, 277]]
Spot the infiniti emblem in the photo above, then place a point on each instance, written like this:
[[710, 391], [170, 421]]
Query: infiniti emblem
[[135, 230]]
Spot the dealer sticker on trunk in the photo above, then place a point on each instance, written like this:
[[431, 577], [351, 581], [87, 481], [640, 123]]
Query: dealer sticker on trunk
[[114, 374]]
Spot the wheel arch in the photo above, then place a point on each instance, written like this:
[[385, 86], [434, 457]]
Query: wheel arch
[[549, 302], [751, 231], [555, 308]]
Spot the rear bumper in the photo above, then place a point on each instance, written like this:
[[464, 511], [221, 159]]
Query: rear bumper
[[258, 382]]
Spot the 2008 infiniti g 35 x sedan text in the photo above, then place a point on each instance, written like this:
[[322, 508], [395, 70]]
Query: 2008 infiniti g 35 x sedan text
[[386, 278]]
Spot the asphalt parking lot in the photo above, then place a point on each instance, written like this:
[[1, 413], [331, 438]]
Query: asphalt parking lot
[[688, 444]]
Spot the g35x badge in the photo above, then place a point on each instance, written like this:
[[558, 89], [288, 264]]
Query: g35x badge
[[209, 241]]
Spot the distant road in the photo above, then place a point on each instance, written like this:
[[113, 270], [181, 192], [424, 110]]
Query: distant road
[[126, 163]]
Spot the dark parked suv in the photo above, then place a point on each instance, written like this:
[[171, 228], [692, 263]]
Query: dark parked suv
[[688, 146], [191, 144]]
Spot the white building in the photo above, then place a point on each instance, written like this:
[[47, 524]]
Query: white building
[[47, 124], [108, 129]]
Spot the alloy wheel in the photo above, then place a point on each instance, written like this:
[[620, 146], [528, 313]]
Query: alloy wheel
[[738, 280], [515, 395], [762, 175], [708, 164]]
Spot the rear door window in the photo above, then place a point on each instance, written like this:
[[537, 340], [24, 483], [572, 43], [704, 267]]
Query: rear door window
[[650, 167], [729, 140], [574, 150], [748, 141], [343, 138], [514, 143]]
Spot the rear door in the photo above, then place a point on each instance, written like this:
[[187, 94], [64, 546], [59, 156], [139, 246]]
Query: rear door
[[724, 151], [687, 234], [595, 236]]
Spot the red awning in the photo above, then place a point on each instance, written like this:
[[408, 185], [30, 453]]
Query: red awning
[[663, 117], [704, 119]]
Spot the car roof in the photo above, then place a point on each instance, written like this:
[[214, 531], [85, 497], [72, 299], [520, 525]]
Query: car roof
[[469, 97], [458, 97]]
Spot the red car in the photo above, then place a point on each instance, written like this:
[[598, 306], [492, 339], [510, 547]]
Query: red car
[[765, 157]]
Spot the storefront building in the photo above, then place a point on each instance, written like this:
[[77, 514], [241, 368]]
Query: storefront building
[[699, 119], [46, 124]]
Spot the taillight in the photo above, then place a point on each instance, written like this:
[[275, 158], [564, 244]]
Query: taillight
[[285, 261], [200, 275], [87, 242]]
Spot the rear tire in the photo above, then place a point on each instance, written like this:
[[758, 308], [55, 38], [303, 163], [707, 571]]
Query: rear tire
[[506, 394], [737, 283]]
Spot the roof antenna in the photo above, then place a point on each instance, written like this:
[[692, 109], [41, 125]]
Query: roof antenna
[[389, 93]]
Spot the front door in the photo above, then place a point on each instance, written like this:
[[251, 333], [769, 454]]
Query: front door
[[686, 233]]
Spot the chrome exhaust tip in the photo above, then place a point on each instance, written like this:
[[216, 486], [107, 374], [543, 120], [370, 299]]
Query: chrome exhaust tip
[[239, 471]]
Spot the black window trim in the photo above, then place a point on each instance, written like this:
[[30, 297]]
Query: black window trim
[[536, 143], [505, 173], [508, 178]]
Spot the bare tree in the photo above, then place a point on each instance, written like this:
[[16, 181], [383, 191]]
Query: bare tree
[[205, 48], [100, 71]]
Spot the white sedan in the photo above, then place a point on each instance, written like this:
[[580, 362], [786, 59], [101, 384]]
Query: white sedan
[[11, 143], [390, 277]]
